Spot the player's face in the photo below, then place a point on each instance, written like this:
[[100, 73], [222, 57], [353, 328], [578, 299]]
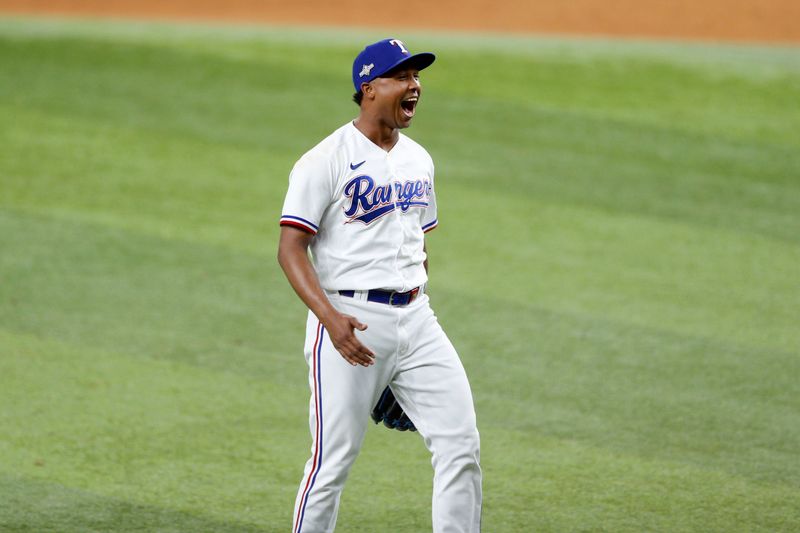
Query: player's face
[[397, 95]]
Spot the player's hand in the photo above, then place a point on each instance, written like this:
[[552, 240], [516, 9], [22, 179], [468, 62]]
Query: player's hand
[[341, 330]]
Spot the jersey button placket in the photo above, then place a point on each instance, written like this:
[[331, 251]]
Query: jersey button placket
[[407, 238], [394, 178]]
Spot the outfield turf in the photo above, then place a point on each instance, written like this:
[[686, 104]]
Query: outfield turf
[[617, 261]]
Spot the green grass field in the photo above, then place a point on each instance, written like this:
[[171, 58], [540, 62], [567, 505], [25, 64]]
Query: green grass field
[[617, 261]]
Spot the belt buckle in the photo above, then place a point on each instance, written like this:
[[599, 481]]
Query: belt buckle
[[409, 295], [391, 297]]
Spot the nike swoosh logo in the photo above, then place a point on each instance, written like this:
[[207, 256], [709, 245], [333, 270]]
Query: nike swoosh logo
[[355, 166]]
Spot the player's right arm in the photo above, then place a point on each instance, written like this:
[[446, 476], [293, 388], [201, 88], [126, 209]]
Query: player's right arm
[[293, 258]]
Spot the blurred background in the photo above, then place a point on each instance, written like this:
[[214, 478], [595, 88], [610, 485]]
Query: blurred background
[[743, 20]]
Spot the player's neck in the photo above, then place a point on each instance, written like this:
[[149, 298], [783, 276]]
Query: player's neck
[[385, 137]]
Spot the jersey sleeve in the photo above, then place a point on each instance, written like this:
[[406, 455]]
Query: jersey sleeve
[[429, 216], [310, 192]]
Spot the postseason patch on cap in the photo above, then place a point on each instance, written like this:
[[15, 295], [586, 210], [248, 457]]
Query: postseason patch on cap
[[379, 58]]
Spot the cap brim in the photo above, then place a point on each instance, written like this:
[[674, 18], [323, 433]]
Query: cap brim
[[418, 61]]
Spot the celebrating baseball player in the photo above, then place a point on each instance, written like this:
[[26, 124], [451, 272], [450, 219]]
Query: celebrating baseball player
[[361, 202]]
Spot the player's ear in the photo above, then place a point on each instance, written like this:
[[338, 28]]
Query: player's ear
[[368, 90]]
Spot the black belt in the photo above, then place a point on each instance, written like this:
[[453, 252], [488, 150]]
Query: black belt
[[387, 297]]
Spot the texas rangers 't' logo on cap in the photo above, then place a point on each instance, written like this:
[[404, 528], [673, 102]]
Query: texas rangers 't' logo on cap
[[379, 58]]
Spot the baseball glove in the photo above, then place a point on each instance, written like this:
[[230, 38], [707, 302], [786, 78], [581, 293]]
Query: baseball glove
[[388, 411]]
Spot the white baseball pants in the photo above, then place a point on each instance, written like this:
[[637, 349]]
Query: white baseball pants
[[416, 358]]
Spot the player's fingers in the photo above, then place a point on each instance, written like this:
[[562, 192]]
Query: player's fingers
[[366, 351], [353, 341], [350, 351], [356, 359], [360, 326], [362, 358], [350, 360], [361, 353]]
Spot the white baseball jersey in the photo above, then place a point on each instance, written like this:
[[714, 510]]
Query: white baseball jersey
[[368, 209]]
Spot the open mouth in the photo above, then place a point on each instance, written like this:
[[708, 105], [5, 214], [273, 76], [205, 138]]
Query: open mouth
[[409, 106]]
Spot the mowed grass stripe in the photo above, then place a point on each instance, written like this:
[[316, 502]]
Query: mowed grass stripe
[[186, 305], [561, 156], [161, 436], [642, 273], [625, 377], [152, 433], [571, 486], [36, 506], [615, 264], [643, 391], [563, 141], [122, 291], [696, 281], [691, 83], [150, 182]]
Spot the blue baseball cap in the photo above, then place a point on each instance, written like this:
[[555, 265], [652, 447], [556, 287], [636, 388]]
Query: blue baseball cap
[[379, 58]]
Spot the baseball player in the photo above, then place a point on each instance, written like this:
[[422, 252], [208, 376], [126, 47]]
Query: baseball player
[[360, 202]]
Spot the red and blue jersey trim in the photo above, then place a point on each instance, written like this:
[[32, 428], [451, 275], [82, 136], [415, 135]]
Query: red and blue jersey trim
[[430, 225], [298, 222]]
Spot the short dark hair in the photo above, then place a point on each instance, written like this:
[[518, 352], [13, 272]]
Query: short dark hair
[[358, 97]]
